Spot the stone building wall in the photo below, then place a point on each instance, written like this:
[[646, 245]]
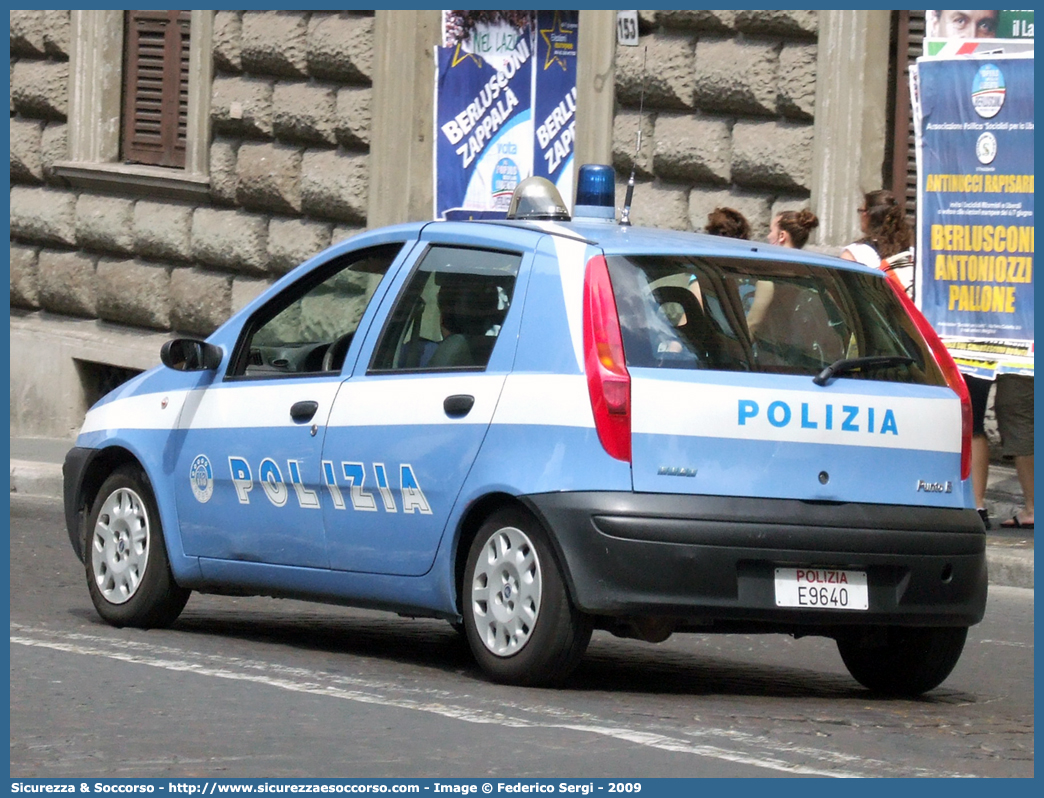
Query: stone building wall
[[290, 117], [728, 115], [729, 102]]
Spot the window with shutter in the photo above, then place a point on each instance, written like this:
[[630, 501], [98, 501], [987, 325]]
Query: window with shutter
[[156, 87], [910, 32]]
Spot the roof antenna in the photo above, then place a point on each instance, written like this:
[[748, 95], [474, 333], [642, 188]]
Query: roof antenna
[[625, 214]]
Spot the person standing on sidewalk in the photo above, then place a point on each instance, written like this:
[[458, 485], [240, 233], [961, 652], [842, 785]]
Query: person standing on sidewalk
[[1014, 407], [1013, 404], [887, 241], [979, 393]]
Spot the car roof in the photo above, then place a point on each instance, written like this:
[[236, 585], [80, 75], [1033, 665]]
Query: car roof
[[618, 239]]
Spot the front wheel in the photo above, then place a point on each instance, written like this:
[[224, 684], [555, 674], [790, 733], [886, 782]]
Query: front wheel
[[128, 574], [519, 621], [900, 660]]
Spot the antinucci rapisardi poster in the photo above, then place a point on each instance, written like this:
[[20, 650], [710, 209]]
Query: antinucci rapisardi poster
[[505, 107], [974, 124]]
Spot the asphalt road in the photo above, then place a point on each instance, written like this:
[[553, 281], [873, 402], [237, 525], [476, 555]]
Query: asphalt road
[[261, 687]]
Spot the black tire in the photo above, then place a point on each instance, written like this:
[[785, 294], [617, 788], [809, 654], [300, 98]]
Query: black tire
[[515, 639], [125, 559], [900, 660]]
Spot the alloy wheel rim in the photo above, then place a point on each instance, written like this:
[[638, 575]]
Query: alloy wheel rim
[[120, 546], [505, 591]]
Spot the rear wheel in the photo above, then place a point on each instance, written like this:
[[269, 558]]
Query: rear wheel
[[128, 574], [900, 660], [519, 621]]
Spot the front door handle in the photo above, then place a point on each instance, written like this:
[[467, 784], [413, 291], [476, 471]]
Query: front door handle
[[458, 405], [301, 412]]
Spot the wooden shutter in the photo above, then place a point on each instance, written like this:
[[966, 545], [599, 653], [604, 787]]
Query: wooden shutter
[[155, 87], [910, 39]]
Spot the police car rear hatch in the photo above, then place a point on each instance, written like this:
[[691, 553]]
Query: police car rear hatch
[[779, 379]]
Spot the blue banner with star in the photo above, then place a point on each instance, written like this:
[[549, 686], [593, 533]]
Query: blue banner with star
[[505, 108], [554, 102], [975, 209], [483, 128]]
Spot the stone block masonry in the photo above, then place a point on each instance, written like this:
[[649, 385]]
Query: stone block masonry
[[729, 104], [130, 291], [200, 300], [43, 216], [26, 150], [39, 89], [163, 230], [67, 284], [105, 224], [293, 241], [230, 240], [25, 292], [290, 116]]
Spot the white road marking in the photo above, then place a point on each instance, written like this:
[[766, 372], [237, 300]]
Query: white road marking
[[302, 680]]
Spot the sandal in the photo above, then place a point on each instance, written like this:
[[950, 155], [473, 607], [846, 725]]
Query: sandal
[[1015, 523], [985, 516]]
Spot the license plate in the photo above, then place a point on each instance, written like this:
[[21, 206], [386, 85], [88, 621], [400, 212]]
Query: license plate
[[821, 588]]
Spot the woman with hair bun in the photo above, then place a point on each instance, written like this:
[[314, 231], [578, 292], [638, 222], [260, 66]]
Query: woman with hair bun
[[887, 240], [792, 228], [788, 229]]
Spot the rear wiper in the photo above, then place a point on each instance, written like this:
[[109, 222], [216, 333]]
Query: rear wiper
[[845, 365]]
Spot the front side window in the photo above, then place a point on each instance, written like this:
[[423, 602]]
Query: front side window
[[307, 329], [762, 316], [449, 314]]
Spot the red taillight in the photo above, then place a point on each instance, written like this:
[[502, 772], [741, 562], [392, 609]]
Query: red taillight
[[607, 379], [949, 370]]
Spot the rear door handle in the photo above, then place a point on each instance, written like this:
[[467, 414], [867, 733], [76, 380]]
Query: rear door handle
[[458, 405], [301, 412]]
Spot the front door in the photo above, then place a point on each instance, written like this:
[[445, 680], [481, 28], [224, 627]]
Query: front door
[[251, 443]]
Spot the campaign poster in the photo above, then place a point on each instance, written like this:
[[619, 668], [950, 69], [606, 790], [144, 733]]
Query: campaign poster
[[505, 108], [989, 32], [988, 24], [554, 98], [974, 124], [483, 114]]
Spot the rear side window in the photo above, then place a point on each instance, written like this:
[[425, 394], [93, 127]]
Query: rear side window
[[450, 311], [732, 314]]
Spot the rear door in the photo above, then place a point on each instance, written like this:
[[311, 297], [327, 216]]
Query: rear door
[[722, 354], [406, 427]]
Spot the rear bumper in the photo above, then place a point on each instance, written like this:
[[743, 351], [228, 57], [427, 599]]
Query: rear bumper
[[711, 560]]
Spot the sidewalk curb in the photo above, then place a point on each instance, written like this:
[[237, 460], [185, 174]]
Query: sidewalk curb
[[1008, 567], [36, 479]]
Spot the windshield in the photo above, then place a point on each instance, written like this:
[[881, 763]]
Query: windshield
[[735, 314]]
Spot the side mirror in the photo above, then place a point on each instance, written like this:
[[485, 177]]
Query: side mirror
[[190, 354]]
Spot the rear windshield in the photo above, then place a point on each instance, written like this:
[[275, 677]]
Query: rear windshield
[[734, 314]]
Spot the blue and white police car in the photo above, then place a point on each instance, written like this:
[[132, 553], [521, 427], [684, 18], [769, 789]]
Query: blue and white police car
[[542, 426]]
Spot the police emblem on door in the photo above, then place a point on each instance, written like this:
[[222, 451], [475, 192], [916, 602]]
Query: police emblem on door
[[201, 477]]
